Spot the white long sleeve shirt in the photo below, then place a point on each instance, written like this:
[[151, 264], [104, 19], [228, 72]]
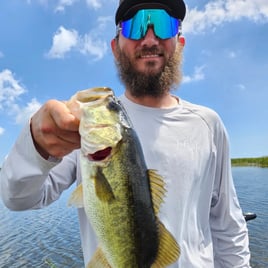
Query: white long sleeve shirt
[[188, 146]]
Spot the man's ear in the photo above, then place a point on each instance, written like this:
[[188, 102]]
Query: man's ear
[[181, 40], [114, 44]]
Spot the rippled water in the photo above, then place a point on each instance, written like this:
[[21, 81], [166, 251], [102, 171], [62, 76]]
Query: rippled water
[[41, 238], [50, 237], [252, 189]]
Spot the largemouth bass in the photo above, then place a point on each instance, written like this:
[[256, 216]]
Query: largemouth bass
[[120, 196]]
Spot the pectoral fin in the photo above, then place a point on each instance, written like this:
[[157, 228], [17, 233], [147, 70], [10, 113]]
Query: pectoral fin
[[98, 260], [168, 251], [76, 198], [103, 189]]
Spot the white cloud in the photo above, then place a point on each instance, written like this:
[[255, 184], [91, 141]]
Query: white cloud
[[219, 11], [41, 2], [103, 21], [60, 5], [197, 75], [91, 44], [1, 54], [94, 43], [63, 41], [10, 88], [63, 3], [10, 92], [96, 4], [24, 113], [2, 130]]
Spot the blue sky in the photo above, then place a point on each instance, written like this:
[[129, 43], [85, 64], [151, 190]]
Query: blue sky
[[50, 49]]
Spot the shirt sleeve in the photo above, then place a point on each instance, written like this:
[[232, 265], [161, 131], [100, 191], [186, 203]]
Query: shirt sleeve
[[228, 226], [28, 181]]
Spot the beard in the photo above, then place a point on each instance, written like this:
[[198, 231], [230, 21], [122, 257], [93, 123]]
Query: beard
[[150, 83]]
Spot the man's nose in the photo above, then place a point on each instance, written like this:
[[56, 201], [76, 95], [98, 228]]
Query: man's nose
[[150, 39]]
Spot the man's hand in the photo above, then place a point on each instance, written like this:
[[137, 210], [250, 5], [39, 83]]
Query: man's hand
[[55, 130]]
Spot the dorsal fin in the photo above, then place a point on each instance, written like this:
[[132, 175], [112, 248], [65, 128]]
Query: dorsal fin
[[158, 190]]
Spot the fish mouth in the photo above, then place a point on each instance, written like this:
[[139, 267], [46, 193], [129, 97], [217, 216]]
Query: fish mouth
[[94, 95], [100, 155]]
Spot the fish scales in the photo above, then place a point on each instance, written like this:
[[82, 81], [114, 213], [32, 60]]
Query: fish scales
[[117, 194], [131, 225]]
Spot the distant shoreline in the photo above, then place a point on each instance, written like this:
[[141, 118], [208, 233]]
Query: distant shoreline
[[250, 162]]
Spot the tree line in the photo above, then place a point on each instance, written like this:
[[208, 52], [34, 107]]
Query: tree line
[[258, 161]]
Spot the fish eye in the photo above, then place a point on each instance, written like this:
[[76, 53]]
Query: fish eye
[[113, 106]]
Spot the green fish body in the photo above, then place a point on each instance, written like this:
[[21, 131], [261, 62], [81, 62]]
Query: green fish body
[[121, 197]]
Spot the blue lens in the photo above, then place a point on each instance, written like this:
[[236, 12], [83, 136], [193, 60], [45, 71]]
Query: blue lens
[[164, 25]]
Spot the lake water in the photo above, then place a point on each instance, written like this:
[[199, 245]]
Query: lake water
[[252, 189], [50, 237]]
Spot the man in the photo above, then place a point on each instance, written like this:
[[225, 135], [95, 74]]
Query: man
[[186, 143]]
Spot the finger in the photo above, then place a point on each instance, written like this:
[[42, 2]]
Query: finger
[[62, 116], [72, 137], [58, 146], [61, 149], [55, 130]]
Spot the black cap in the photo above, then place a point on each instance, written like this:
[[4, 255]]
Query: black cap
[[128, 8]]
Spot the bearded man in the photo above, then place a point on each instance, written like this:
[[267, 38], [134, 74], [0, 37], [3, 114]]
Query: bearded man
[[186, 143]]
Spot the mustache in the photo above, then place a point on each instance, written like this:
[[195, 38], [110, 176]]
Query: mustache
[[154, 50]]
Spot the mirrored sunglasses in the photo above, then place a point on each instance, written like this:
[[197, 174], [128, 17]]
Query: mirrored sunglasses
[[164, 25]]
